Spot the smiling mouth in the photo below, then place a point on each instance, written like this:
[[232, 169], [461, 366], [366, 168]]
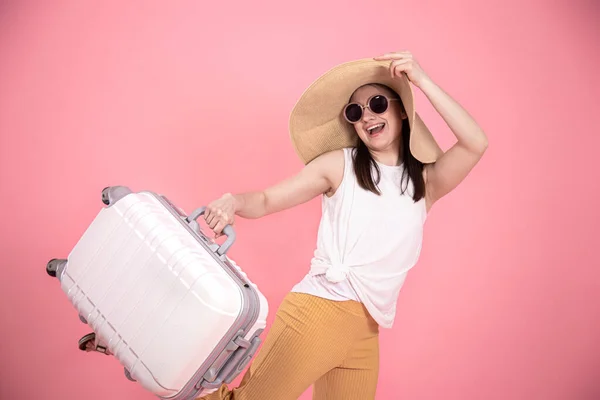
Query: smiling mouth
[[376, 129]]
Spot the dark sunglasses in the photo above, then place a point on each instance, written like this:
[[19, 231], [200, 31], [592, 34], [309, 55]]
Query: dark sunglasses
[[353, 112]]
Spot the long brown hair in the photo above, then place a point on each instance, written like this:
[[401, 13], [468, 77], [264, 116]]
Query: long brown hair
[[413, 168]]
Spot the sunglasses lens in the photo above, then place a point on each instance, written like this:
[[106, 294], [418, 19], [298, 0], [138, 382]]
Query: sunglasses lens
[[378, 104], [353, 112]]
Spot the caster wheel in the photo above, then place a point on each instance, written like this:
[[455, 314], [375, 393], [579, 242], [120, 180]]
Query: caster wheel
[[128, 375], [112, 194], [52, 268], [99, 347], [90, 337], [105, 198]]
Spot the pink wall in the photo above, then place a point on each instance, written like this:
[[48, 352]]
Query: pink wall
[[503, 303]]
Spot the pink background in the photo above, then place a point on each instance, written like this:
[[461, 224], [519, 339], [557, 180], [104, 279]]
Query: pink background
[[192, 99]]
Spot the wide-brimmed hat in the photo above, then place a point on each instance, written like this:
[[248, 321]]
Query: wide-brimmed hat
[[317, 124]]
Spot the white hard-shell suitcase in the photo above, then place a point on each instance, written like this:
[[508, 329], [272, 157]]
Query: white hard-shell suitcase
[[178, 314]]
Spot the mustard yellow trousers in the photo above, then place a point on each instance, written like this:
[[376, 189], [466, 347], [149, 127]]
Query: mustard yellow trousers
[[331, 344]]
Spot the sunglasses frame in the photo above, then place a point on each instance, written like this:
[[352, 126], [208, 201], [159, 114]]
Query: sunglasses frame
[[362, 108]]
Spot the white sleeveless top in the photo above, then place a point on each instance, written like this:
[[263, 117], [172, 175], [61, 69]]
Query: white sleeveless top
[[366, 243]]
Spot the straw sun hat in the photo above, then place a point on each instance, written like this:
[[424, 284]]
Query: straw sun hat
[[317, 124]]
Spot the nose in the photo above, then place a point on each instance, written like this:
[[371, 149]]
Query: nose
[[368, 115]]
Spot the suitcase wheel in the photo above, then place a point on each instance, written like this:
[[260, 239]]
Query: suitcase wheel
[[83, 342], [105, 198], [53, 266], [128, 375], [112, 194], [88, 343]]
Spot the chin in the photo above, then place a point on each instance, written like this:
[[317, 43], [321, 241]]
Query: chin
[[382, 144]]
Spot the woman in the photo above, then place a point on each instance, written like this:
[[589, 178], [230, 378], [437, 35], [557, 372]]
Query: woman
[[380, 171]]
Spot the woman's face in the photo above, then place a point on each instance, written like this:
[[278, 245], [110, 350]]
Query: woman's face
[[379, 132]]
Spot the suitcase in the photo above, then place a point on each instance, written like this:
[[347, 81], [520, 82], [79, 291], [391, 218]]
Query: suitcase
[[179, 315]]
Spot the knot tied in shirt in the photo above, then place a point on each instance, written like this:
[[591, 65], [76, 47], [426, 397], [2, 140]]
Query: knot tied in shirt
[[337, 272]]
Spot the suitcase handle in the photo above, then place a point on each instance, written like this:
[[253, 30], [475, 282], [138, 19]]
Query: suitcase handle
[[228, 231]]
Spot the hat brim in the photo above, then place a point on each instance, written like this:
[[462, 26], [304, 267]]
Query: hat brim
[[316, 122]]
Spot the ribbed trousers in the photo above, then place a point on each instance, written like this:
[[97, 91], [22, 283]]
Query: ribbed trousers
[[331, 344]]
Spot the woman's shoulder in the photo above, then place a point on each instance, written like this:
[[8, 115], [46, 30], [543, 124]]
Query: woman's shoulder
[[333, 164], [332, 158]]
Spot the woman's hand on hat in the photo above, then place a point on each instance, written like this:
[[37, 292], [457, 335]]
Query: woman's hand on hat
[[220, 213], [404, 62]]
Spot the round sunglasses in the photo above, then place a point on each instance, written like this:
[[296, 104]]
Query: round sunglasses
[[353, 112]]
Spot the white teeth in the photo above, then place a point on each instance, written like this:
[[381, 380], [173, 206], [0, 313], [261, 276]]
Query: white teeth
[[374, 127]]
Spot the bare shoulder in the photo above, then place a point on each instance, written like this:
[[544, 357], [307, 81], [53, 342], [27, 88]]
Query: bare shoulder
[[331, 165]]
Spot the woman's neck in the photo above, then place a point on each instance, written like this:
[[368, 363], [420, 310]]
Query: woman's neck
[[389, 157]]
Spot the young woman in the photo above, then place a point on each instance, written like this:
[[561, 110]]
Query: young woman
[[380, 171]]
